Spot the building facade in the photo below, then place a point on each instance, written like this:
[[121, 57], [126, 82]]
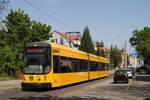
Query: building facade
[[70, 39]]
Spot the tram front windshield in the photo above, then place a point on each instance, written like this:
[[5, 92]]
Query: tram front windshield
[[36, 63]]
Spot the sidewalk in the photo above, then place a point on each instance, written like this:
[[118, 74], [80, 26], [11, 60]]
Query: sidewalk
[[4, 85]]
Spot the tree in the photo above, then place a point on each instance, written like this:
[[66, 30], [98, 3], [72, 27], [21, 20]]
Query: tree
[[7, 61], [128, 60], [111, 56], [86, 42], [100, 45], [115, 56], [3, 38], [97, 43], [19, 31], [39, 31], [141, 41]]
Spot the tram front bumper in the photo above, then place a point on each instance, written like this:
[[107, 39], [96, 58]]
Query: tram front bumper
[[35, 85]]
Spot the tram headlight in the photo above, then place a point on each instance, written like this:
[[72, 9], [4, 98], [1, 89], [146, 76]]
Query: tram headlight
[[31, 78], [38, 78]]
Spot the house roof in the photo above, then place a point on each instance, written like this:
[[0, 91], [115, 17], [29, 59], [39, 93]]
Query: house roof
[[69, 37], [103, 49]]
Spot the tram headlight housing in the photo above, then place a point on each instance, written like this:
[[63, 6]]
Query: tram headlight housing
[[38, 78]]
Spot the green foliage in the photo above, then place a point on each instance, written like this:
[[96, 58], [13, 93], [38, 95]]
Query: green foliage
[[115, 56], [3, 38], [141, 41], [97, 43], [7, 61], [38, 31], [98, 46], [17, 27], [86, 42], [18, 32], [5, 77], [128, 60]]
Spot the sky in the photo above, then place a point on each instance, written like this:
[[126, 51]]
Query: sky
[[111, 21]]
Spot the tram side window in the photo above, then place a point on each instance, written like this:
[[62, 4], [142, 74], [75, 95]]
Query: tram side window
[[75, 65], [96, 66], [107, 66], [93, 66], [83, 65], [103, 66], [65, 65], [56, 64], [100, 66]]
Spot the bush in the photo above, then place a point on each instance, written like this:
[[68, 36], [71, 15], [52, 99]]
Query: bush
[[7, 61]]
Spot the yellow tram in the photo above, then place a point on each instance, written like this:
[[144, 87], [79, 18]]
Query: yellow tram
[[53, 65]]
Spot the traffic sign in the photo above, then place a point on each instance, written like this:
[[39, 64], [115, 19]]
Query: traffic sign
[[133, 52]]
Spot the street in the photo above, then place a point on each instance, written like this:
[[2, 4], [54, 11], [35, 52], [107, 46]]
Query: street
[[101, 89]]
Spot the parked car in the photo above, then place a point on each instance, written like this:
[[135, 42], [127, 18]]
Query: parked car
[[120, 75], [129, 72]]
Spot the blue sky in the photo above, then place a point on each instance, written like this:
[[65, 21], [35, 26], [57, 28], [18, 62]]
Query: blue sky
[[111, 21]]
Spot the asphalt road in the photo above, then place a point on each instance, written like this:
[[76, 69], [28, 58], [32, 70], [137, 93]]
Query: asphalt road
[[18, 94], [101, 89]]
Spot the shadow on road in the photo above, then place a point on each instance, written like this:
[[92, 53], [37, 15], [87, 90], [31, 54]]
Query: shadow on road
[[47, 97], [118, 83]]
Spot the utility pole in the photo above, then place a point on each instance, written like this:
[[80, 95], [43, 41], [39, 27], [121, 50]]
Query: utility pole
[[125, 54]]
